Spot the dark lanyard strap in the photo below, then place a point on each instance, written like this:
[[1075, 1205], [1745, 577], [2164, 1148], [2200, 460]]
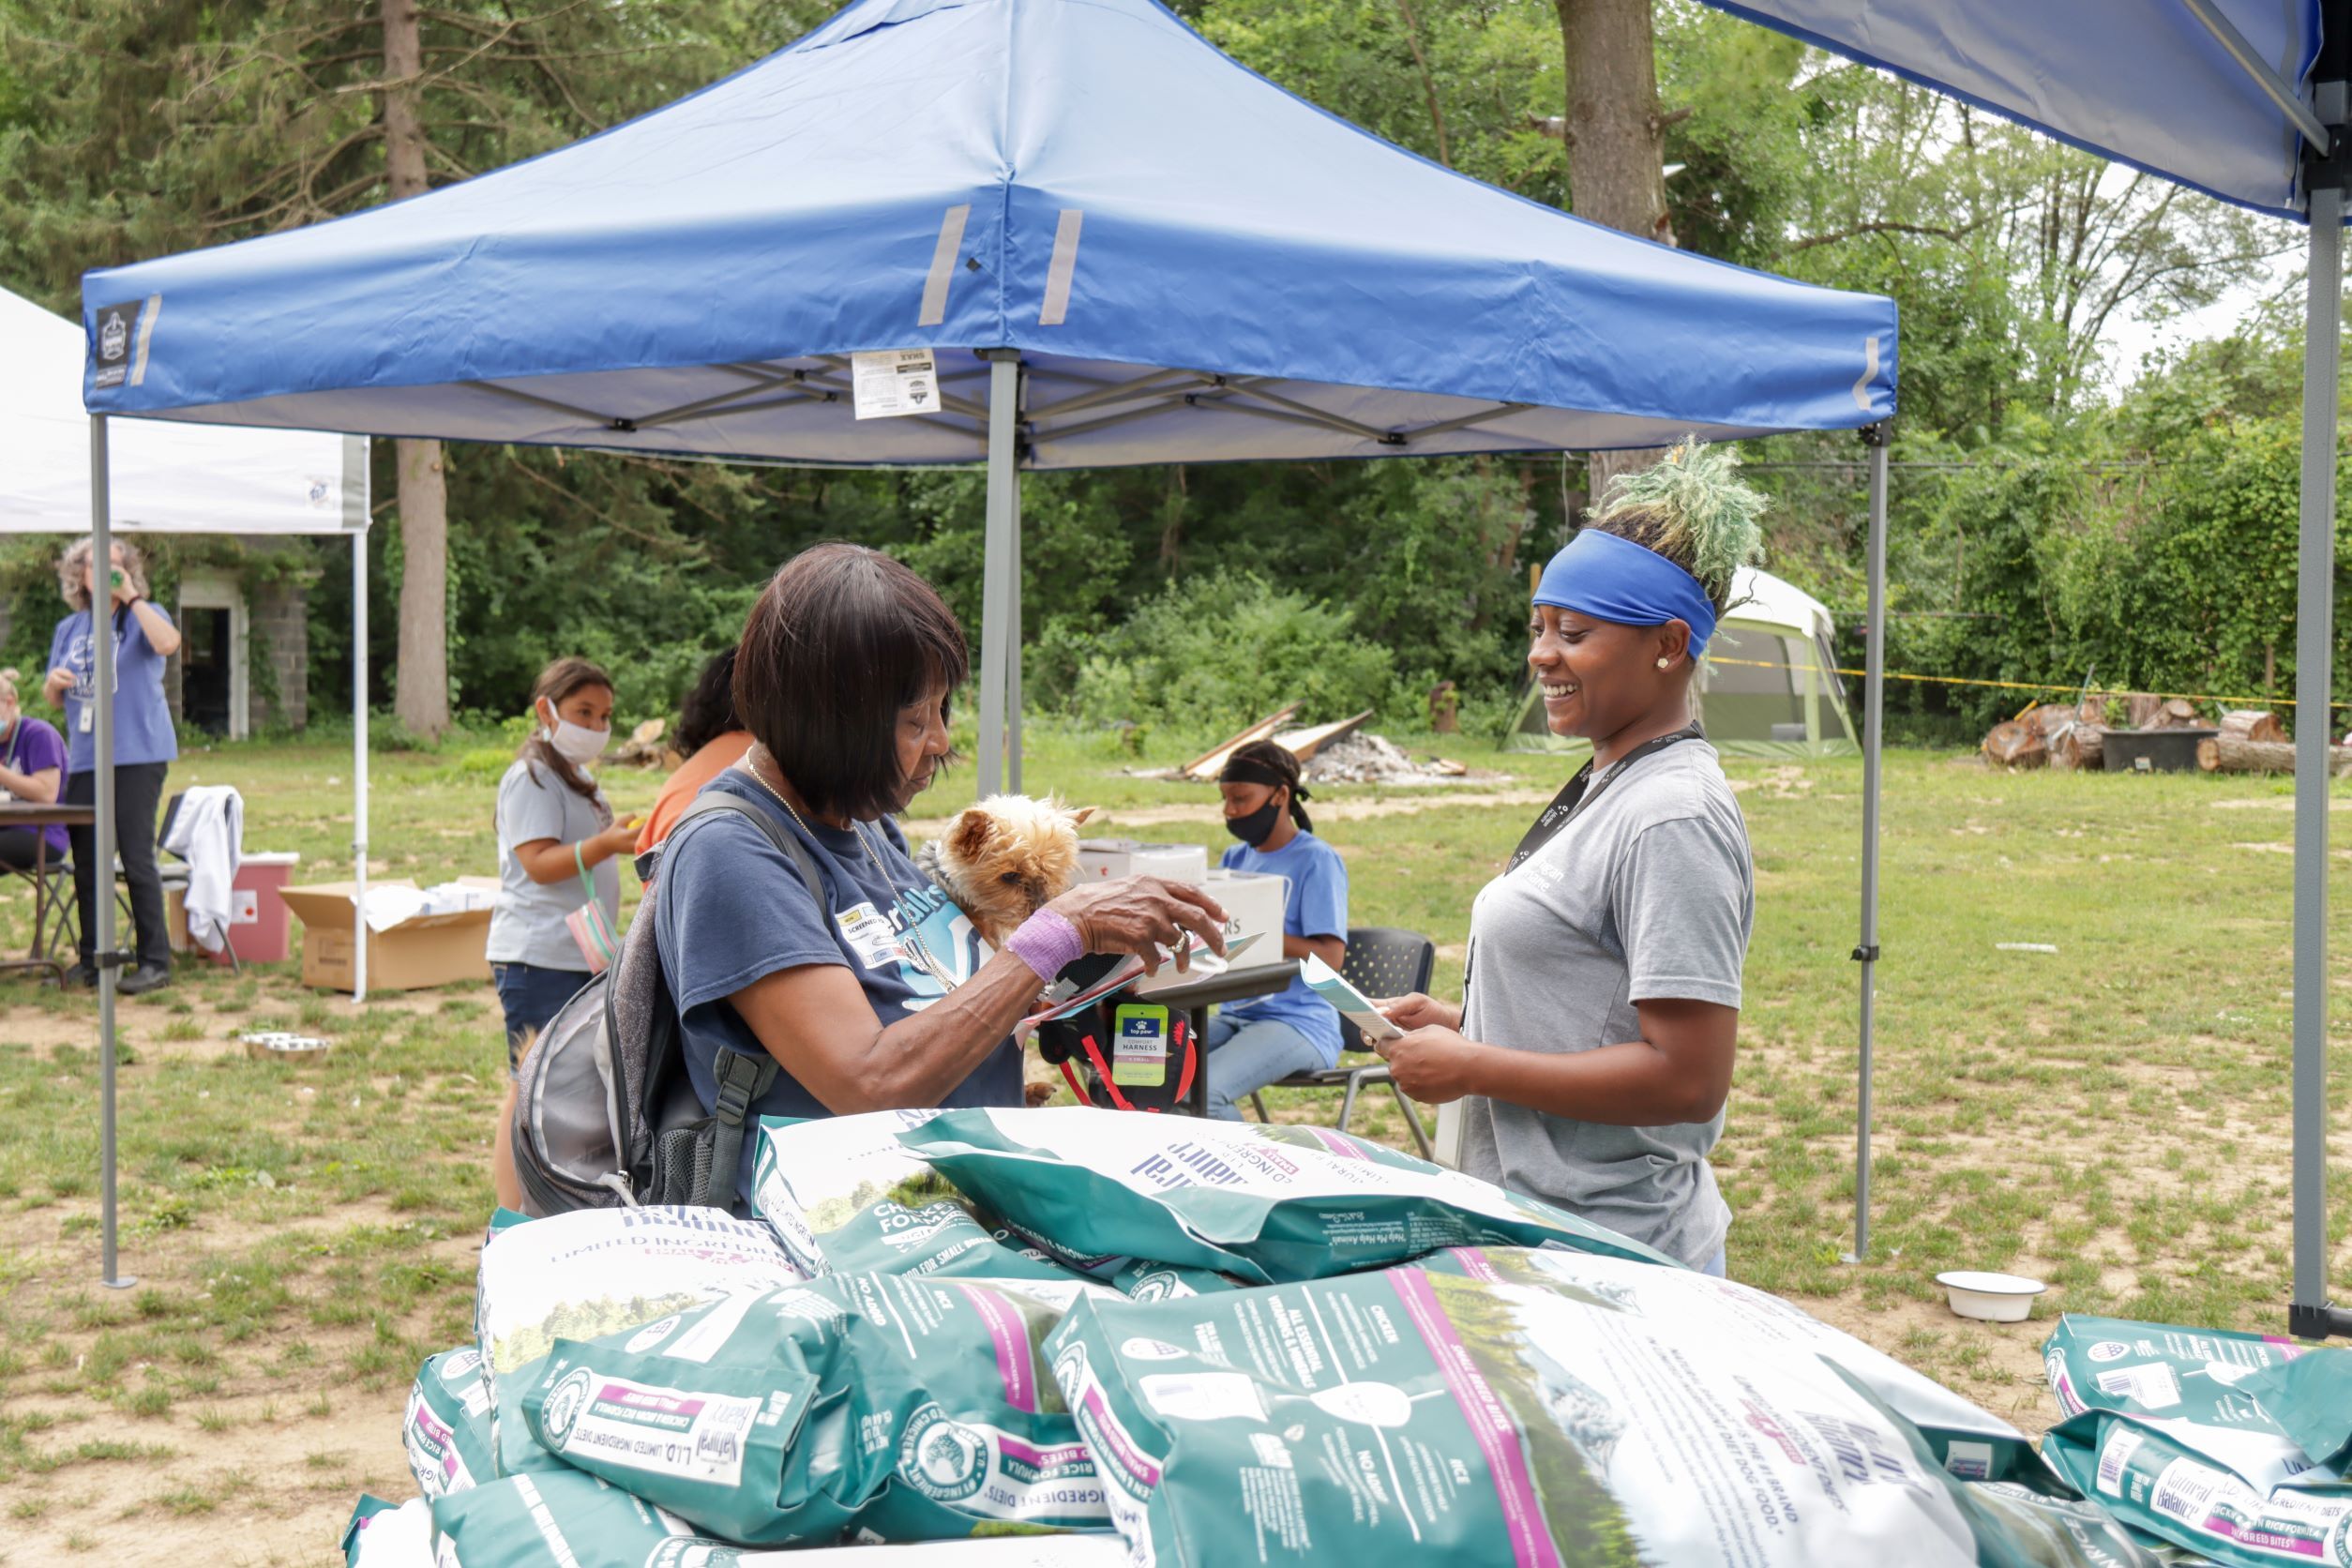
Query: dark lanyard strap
[[1583, 789], [1575, 796]]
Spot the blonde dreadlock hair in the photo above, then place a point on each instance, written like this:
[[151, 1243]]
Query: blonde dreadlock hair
[[1691, 507]]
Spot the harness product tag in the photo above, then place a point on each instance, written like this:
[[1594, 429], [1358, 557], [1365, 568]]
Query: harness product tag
[[1139, 1053]]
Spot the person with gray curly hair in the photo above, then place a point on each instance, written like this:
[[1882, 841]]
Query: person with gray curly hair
[[144, 744]]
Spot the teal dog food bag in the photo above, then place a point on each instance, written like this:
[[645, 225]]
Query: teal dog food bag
[[446, 1430], [883, 1407], [844, 1195], [1415, 1417], [1100, 1189]]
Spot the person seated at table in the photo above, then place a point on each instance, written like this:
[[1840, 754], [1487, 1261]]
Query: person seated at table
[[711, 739], [1253, 1044], [31, 768]]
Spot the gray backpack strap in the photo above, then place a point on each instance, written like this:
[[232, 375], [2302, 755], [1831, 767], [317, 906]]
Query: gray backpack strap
[[741, 1079]]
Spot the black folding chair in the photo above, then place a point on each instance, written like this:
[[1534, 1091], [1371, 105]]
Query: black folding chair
[[1381, 960], [174, 878]]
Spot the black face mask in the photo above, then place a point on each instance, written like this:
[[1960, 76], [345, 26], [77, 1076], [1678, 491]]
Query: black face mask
[[1252, 829]]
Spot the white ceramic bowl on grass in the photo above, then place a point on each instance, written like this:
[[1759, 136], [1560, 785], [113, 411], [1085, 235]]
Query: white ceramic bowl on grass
[[1995, 1298]]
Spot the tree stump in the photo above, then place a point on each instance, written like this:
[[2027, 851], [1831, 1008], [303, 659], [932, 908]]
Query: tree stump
[[2253, 724], [2016, 746], [2232, 754]]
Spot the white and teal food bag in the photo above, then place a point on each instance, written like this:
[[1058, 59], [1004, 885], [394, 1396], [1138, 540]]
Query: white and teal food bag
[[844, 1195], [380, 1535], [2178, 1432], [1100, 1189], [569, 1520], [446, 1430], [596, 1271], [875, 1406], [1415, 1417], [1683, 1307]]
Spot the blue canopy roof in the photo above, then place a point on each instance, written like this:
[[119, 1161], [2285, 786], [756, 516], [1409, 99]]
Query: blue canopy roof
[[2147, 82], [1192, 263]]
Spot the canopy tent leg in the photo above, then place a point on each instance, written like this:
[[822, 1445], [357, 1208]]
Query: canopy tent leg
[[103, 850], [1013, 644], [359, 765], [1000, 640], [2309, 1313], [1874, 694]]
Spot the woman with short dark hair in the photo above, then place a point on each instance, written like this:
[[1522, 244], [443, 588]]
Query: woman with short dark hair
[[868, 992]]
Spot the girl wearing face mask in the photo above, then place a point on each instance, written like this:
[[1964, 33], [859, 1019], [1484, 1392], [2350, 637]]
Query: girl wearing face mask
[[557, 840], [31, 768], [1253, 1044], [1592, 1051]]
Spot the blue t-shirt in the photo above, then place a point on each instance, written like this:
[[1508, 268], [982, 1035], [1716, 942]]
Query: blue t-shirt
[[1317, 907], [33, 746], [143, 720], [731, 909]]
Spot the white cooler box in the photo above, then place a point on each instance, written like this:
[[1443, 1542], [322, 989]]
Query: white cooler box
[[1101, 858], [1255, 902]]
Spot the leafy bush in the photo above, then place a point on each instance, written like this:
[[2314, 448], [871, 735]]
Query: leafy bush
[[1215, 651]]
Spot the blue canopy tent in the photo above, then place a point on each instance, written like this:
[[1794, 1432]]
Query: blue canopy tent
[[1120, 245], [2247, 101]]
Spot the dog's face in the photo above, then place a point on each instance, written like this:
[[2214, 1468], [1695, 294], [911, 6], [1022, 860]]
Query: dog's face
[[1008, 857]]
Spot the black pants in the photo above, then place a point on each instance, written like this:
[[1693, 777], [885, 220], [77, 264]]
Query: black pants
[[19, 847], [138, 796]]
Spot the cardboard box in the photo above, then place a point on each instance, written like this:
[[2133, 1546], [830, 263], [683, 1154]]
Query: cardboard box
[[423, 950], [1100, 858], [1256, 901]]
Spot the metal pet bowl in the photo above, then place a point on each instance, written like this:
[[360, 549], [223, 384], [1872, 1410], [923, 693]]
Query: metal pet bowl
[[275, 1045]]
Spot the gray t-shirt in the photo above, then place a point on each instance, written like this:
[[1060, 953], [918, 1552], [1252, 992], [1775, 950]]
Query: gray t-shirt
[[527, 927], [1648, 894]]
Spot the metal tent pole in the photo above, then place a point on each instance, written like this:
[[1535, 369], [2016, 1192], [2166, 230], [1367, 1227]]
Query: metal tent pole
[[103, 850], [360, 763], [998, 639], [1874, 742], [1013, 656], [2310, 1313]]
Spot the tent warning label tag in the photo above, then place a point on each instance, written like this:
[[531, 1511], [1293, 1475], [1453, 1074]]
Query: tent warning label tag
[[894, 381]]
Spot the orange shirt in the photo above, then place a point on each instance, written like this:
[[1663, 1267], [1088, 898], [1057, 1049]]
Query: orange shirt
[[678, 790]]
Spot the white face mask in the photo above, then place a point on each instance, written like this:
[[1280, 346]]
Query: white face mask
[[575, 743]]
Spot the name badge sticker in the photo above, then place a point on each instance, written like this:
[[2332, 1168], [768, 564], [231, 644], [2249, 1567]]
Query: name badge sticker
[[870, 935]]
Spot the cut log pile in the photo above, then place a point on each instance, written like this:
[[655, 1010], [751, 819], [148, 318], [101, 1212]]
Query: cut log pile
[[2070, 735]]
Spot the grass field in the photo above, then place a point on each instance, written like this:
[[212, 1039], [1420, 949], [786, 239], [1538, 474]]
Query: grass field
[[2113, 1118]]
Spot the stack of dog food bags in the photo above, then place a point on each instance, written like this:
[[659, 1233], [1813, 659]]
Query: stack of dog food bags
[[1171, 1343], [2225, 1444]]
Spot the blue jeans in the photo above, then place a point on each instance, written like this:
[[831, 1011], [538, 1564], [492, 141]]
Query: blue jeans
[[1720, 1264], [1244, 1054], [531, 994]]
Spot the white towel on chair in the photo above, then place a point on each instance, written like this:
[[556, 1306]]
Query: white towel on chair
[[208, 833]]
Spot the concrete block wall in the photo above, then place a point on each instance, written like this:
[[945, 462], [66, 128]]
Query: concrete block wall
[[280, 615]]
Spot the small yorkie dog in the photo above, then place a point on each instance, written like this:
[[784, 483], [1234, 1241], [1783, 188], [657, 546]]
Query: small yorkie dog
[[1004, 859]]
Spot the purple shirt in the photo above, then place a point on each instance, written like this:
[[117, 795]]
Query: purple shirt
[[34, 745]]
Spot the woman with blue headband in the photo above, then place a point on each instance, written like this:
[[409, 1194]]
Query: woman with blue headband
[[1592, 1049]]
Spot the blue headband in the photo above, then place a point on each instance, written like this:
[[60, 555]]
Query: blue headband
[[1613, 578]]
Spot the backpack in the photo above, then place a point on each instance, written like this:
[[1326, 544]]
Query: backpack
[[605, 1115]]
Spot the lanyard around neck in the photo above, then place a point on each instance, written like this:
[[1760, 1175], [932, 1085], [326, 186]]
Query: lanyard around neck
[[1582, 790]]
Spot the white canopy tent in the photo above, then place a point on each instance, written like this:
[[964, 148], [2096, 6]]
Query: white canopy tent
[[176, 478]]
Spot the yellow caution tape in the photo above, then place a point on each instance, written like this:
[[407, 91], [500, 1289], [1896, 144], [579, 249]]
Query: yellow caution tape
[[2021, 686]]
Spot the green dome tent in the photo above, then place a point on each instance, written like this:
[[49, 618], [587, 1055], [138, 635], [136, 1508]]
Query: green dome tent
[[1767, 687]]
